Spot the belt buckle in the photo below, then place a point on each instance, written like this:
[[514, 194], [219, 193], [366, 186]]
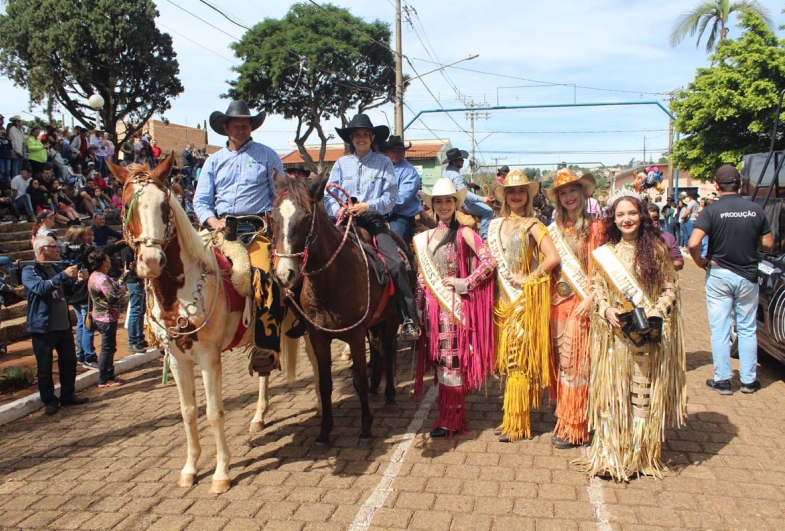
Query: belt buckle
[[563, 288]]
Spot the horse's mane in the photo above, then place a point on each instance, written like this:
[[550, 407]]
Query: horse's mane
[[299, 193], [190, 241]]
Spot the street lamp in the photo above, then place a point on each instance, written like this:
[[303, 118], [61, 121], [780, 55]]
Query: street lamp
[[96, 102]]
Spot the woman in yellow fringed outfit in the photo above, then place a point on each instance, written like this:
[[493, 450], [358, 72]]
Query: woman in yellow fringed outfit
[[575, 235], [638, 378], [525, 256]]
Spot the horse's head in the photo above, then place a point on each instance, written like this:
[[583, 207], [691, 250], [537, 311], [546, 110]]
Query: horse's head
[[147, 213], [293, 224]]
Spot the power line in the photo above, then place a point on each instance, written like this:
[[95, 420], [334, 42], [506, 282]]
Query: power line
[[199, 45], [203, 20], [543, 82], [231, 19], [553, 132]]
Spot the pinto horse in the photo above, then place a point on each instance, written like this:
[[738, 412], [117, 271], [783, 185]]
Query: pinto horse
[[188, 305], [340, 298]]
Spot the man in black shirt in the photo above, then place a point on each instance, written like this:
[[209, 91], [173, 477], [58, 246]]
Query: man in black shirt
[[735, 227]]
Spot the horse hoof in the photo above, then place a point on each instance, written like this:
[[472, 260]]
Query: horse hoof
[[321, 446], [365, 442], [186, 480], [256, 427], [390, 409], [220, 486], [373, 391]]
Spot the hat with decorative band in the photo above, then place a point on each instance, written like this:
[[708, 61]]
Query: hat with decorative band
[[565, 177], [445, 187]]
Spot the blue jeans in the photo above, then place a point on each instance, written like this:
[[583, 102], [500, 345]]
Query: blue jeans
[[5, 170], [403, 226], [482, 211], [24, 204], [704, 246], [727, 292], [16, 167], [84, 337], [136, 301], [686, 231]]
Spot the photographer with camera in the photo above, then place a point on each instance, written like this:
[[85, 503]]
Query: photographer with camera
[[47, 284], [78, 244]]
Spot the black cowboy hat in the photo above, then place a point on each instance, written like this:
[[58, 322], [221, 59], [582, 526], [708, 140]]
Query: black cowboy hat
[[503, 169], [395, 142], [455, 154], [361, 121], [298, 166], [236, 109]]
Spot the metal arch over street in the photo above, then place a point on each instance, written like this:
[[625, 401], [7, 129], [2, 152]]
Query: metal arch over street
[[659, 104]]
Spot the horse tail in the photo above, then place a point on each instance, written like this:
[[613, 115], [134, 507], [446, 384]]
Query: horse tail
[[289, 348]]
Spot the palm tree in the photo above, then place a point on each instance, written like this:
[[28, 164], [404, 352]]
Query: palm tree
[[717, 13]]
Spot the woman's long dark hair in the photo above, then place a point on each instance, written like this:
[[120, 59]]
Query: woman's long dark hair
[[650, 251], [452, 232]]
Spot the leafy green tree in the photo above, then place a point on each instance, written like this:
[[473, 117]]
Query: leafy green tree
[[728, 110], [313, 65], [717, 14], [67, 51]]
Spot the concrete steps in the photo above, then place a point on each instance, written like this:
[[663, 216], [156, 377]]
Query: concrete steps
[[15, 329], [15, 237]]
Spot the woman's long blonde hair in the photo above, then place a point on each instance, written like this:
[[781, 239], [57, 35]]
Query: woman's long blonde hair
[[582, 217]]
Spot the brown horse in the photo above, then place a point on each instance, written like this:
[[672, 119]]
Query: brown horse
[[340, 297]]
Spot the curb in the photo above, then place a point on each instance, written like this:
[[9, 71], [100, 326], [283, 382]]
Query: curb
[[29, 404]]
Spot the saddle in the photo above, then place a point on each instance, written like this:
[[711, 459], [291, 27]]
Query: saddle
[[250, 276]]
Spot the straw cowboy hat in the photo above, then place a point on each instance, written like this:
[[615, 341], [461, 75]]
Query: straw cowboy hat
[[395, 142], [517, 178], [236, 109], [454, 154], [361, 121], [565, 177], [445, 187]]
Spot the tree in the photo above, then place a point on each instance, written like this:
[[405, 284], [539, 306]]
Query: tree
[[67, 51], [728, 110], [715, 13], [312, 65]]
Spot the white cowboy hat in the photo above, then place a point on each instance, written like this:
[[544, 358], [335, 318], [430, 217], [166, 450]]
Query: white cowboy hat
[[444, 187]]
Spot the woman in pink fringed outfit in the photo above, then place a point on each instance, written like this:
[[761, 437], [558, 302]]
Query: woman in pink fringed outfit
[[455, 296]]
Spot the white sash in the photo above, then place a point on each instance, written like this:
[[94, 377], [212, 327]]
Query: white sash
[[570, 265], [621, 277], [446, 296], [503, 270]]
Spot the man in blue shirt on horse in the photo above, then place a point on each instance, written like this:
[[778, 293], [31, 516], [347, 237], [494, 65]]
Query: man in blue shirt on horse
[[238, 181], [369, 179], [408, 205]]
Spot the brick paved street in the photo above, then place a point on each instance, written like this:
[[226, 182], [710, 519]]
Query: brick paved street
[[114, 463]]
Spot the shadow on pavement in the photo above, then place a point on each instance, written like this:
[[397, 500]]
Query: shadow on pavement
[[703, 438]]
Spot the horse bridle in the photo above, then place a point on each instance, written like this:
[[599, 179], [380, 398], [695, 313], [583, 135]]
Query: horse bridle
[[310, 238], [141, 181]]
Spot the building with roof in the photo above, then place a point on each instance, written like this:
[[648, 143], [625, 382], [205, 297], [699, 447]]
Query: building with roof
[[425, 155]]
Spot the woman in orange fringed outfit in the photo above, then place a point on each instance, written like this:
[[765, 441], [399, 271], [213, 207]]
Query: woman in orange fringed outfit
[[575, 235]]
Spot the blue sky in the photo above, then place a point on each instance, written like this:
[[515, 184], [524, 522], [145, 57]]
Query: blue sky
[[598, 51]]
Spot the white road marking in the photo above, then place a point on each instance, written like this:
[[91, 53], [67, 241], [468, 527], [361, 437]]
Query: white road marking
[[597, 500], [379, 495]]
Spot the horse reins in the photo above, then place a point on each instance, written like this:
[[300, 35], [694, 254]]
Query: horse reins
[[304, 259]]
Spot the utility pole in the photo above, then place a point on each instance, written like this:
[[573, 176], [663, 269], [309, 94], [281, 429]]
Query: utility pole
[[398, 72], [473, 116], [644, 149], [496, 161]]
